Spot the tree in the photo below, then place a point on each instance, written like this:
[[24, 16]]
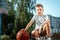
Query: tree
[[18, 16]]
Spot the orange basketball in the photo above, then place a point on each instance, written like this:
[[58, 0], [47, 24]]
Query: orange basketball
[[22, 35]]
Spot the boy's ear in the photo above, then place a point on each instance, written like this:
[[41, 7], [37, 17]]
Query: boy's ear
[[43, 10]]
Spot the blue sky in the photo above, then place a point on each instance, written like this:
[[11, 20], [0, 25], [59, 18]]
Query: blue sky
[[51, 7]]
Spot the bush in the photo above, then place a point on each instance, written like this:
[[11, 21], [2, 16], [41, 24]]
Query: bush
[[5, 37]]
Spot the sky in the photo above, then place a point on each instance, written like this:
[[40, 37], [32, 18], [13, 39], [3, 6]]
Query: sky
[[51, 7]]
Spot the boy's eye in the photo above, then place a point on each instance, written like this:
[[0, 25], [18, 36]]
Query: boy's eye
[[38, 10]]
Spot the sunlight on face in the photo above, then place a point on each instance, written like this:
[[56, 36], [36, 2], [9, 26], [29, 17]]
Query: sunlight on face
[[39, 10]]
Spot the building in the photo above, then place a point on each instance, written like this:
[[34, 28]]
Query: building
[[3, 3], [30, 4], [2, 10], [55, 24]]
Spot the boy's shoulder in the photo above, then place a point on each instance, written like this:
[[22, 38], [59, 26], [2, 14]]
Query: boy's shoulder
[[46, 15], [38, 16], [35, 15]]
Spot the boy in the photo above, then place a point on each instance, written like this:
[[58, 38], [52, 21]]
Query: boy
[[40, 20]]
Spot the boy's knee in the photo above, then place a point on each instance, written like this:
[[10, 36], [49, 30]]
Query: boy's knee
[[33, 32], [45, 25], [36, 33]]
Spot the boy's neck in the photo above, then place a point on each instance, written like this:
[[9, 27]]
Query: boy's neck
[[40, 14]]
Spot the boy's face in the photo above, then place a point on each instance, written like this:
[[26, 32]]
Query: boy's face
[[39, 10]]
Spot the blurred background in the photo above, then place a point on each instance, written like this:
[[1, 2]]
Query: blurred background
[[15, 15]]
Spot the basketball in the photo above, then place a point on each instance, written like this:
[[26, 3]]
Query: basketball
[[22, 35]]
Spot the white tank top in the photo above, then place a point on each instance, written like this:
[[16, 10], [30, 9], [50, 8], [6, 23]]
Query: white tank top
[[39, 20]]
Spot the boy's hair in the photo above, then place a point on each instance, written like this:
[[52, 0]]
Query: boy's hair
[[39, 5]]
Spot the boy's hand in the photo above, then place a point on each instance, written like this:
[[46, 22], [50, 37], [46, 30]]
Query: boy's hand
[[23, 29]]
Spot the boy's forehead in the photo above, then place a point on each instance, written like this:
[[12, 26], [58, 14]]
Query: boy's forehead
[[39, 7]]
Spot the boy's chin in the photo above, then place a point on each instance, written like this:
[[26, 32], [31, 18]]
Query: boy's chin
[[38, 14]]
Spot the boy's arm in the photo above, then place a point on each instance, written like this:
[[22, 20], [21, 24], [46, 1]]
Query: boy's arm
[[47, 21], [29, 24], [48, 26]]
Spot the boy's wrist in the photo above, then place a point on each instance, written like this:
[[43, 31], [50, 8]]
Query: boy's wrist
[[25, 29]]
